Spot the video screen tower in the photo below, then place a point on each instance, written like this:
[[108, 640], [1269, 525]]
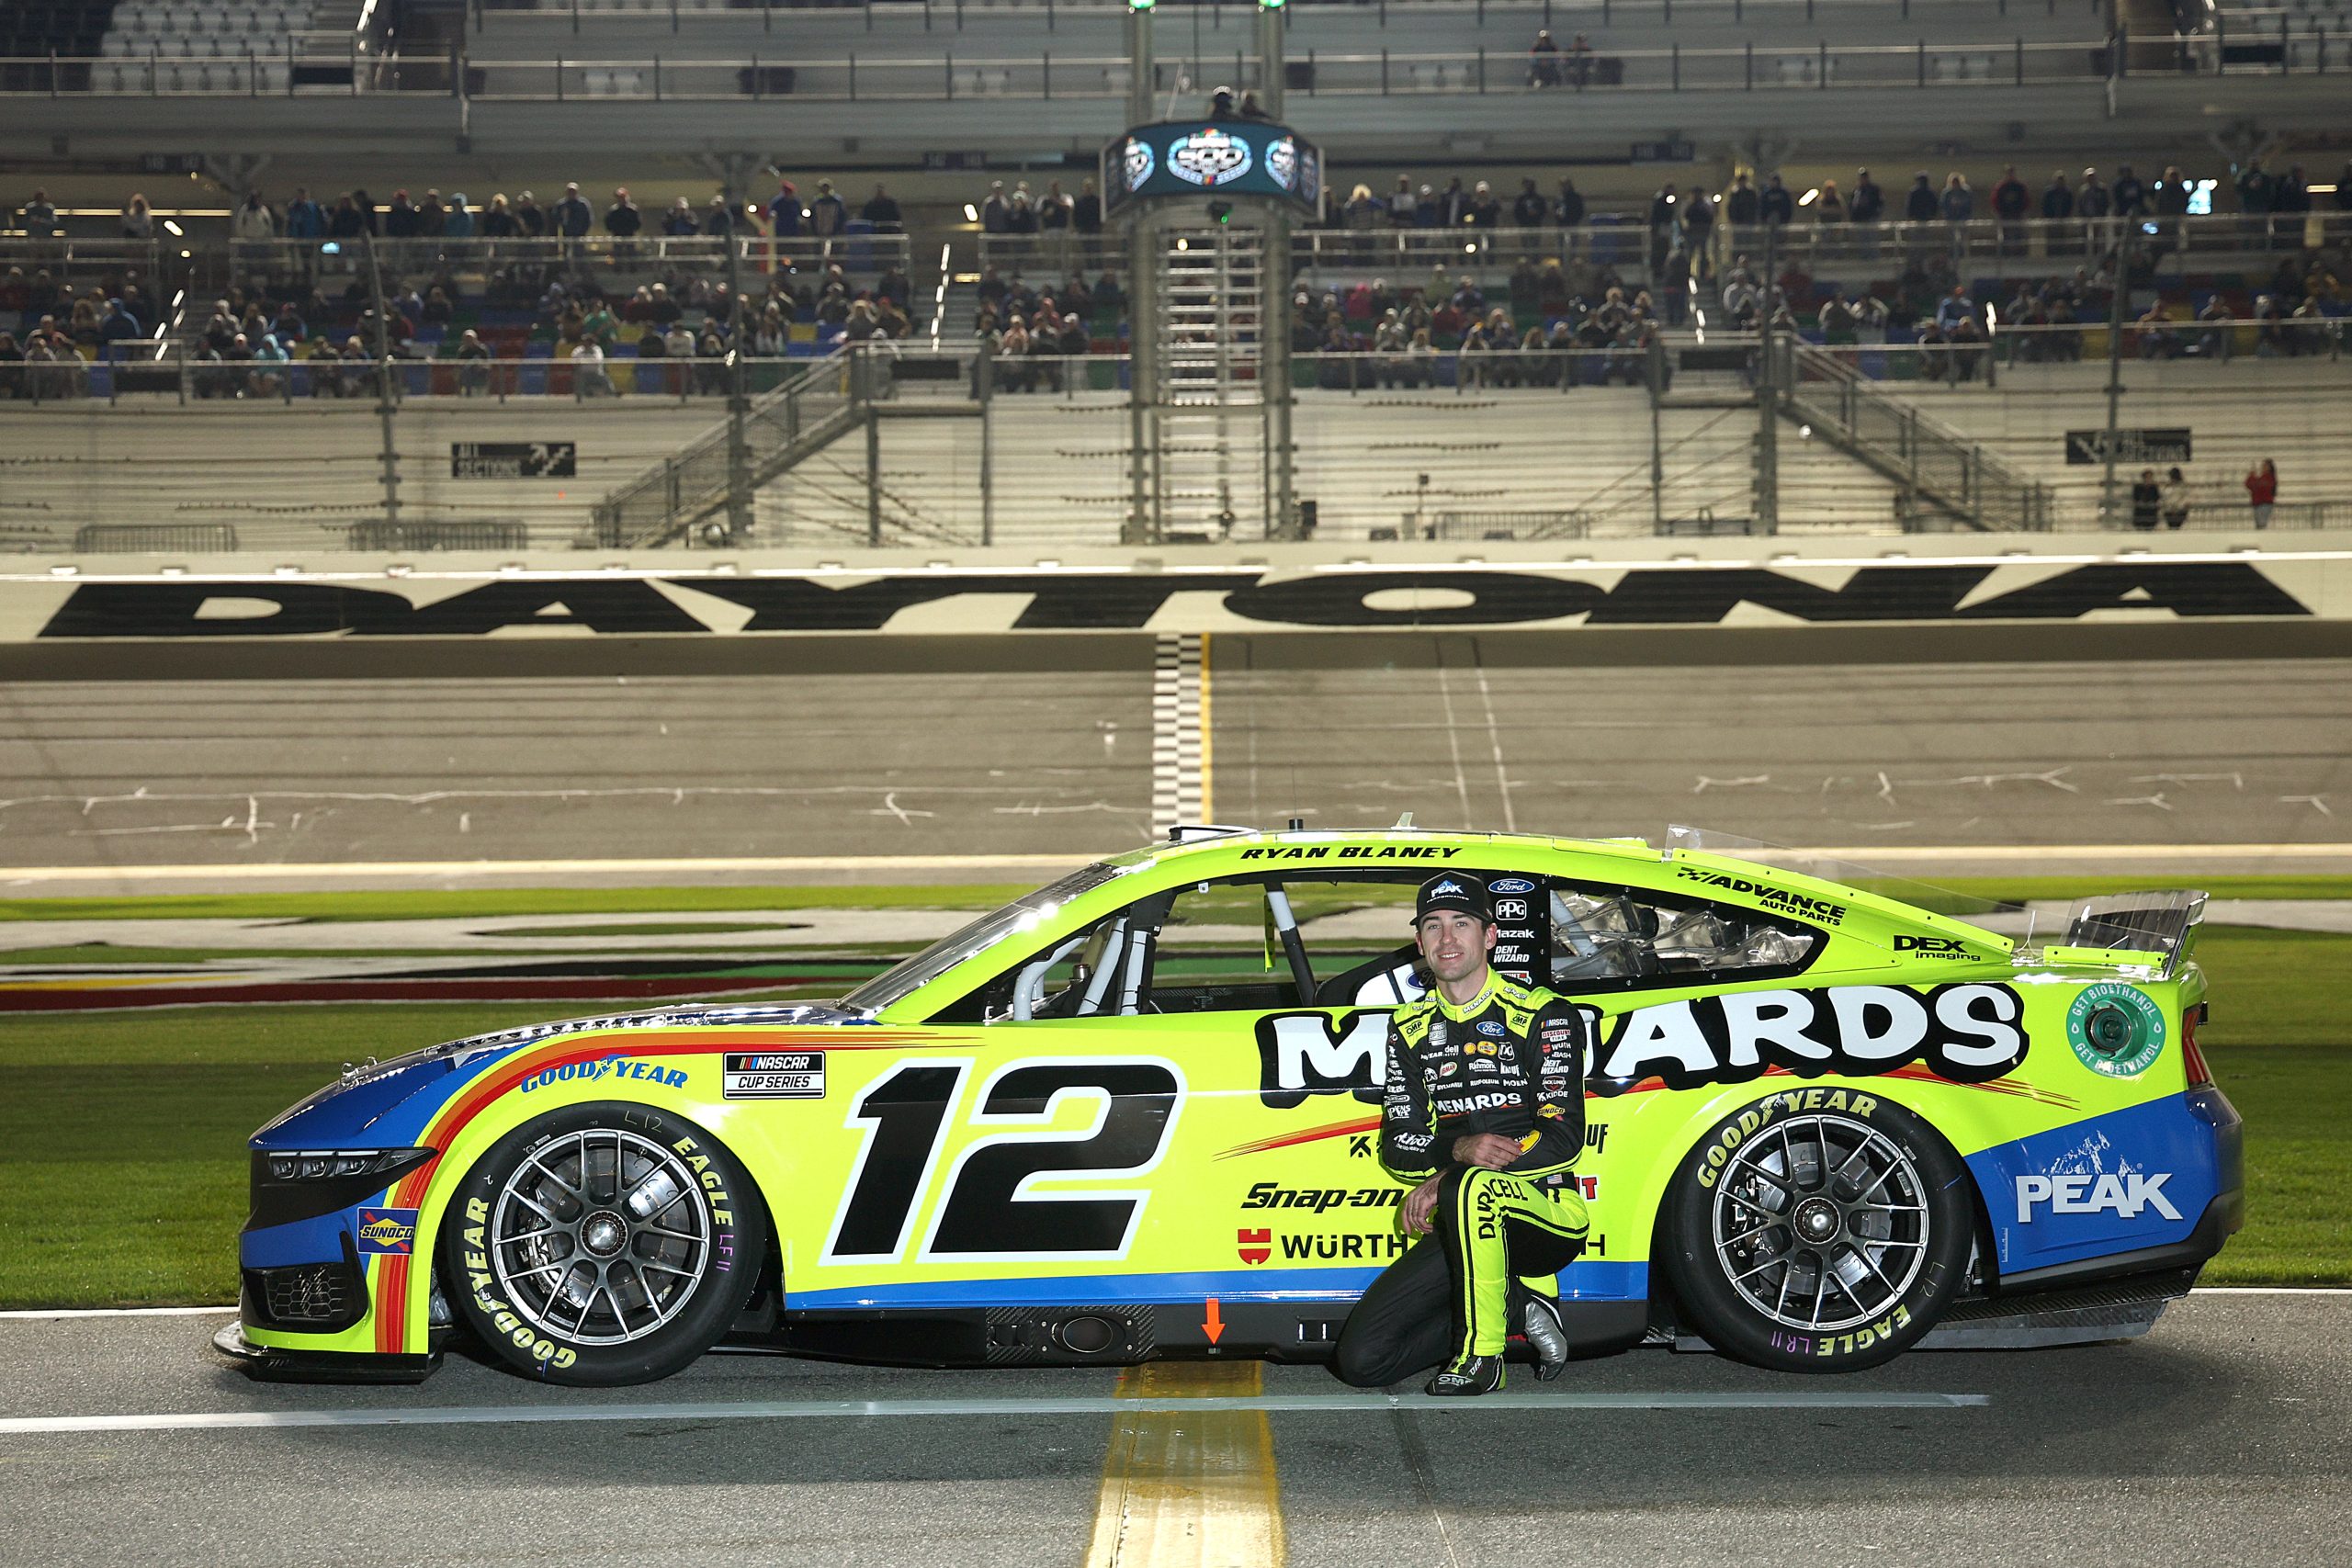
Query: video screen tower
[[1205, 204]]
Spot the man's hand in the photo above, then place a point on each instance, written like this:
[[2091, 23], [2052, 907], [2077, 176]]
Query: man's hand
[[1414, 1211], [1491, 1150]]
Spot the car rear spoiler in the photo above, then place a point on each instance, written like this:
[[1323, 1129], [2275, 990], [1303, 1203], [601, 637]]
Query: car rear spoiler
[[2154, 923]]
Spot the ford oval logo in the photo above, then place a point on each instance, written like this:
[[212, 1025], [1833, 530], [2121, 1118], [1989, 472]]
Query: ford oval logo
[[1491, 1029], [1511, 885]]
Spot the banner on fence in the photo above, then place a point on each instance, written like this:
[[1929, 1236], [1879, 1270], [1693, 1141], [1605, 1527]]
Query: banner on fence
[[2144, 447], [513, 459]]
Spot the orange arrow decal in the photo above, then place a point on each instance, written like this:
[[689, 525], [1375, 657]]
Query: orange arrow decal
[[1213, 1325]]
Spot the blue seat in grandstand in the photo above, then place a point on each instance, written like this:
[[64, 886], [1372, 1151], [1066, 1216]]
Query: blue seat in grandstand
[[1618, 239], [297, 380], [102, 380], [531, 378], [431, 333], [417, 380]]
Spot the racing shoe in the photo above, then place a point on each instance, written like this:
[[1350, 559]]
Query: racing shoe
[[1469, 1375], [1547, 1335]]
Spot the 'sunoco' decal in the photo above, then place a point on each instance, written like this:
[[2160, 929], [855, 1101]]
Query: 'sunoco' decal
[[1209, 157], [1282, 161], [2116, 1031], [1135, 162], [388, 1232]]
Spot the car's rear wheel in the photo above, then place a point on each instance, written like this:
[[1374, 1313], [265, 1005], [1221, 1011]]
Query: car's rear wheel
[[1819, 1238], [604, 1243]]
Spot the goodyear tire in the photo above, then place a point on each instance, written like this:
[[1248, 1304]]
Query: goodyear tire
[[603, 1243], [1818, 1230]]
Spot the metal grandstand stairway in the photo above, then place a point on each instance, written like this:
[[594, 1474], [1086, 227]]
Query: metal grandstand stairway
[[1198, 462], [668, 501], [1937, 468]]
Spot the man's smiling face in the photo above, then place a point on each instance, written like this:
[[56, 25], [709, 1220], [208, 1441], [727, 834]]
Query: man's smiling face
[[1455, 944]]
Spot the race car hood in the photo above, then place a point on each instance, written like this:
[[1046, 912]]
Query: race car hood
[[345, 1112]]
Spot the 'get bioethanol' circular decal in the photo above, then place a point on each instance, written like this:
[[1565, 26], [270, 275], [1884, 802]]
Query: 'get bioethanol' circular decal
[[2116, 1030]]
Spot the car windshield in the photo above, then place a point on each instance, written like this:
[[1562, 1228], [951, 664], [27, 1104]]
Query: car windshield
[[1022, 914]]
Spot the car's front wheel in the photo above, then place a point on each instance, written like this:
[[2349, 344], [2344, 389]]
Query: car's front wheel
[[604, 1243], [1813, 1236]]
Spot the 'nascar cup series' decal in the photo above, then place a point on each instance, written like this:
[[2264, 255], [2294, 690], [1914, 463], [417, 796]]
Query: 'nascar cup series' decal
[[1968, 1032]]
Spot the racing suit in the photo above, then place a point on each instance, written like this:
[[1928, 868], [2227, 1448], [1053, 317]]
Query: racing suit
[[1512, 1061]]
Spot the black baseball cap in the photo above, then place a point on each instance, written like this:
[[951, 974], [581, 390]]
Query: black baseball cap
[[1453, 891]]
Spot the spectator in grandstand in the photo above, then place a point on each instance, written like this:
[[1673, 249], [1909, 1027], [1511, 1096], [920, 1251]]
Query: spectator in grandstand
[[305, 218], [371, 218], [137, 218], [498, 221], [2314, 331], [1959, 202], [1921, 205], [345, 222], [2010, 201], [116, 327], [2174, 502], [1868, 203], [572, 217], [2130, 196], [720, 219], [40, 217], [1775, 205], [1697, 212], [2173, 191], [1740, 205], [589, 378], [473, 365], [289, 328], [828, 215], [1543, 60], [1482, 210], [431, 218], [2147, 500], [2058, 198], [458, 220], [1086, 211], [2262, 492], [1954, 309], [400, 221], [622, 220], [996, 210], [2215, 318], [1527, 208], [2271, 327], [772, 337], [1568, 208], [881, 209], [679, 223], [252, 226], [12, 367], [1829, 205], [1579, 62], [2092, 198], [1053, 210], [783, 212], [267, 377], [1453, 204]]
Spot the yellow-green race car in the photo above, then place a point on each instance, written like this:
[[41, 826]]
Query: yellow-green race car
[[1132, 1115]]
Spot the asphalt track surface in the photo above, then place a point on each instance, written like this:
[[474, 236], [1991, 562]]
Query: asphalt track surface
[[918, 748], [2224, 1437]]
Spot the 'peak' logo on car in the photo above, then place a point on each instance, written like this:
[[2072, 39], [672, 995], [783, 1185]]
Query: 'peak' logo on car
[[2123, 1195], [388, 1232]]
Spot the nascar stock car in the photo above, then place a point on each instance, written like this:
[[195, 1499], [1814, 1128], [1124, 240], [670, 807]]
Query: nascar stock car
[[1132, 1115]]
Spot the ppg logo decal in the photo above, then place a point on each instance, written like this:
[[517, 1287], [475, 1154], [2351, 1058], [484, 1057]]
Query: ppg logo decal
[[1208, 158], [1511, 910], [1510, 884], [1135, 162], [2126, 1196], [1282, 161]]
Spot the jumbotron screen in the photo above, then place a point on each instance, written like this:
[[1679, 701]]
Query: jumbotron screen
[[1221, 157]]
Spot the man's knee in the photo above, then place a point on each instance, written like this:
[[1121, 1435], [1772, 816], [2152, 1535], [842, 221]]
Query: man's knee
[[1362, 1363]]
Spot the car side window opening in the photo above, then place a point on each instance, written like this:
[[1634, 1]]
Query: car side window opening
[[1606, 938]]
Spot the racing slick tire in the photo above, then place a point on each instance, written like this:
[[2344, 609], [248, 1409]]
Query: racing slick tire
[[1818, 1231], [603, 1243]]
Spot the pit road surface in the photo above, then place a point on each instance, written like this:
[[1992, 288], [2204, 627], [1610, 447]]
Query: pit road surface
[[2224, 1437], [924, 748]]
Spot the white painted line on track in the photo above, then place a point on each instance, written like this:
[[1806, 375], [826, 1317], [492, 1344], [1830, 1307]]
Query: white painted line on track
[[287, 870], [2343, 1290], [43, 1313], [864, 1409]]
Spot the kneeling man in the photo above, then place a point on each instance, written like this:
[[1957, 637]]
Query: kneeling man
[[1484, 1108]]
